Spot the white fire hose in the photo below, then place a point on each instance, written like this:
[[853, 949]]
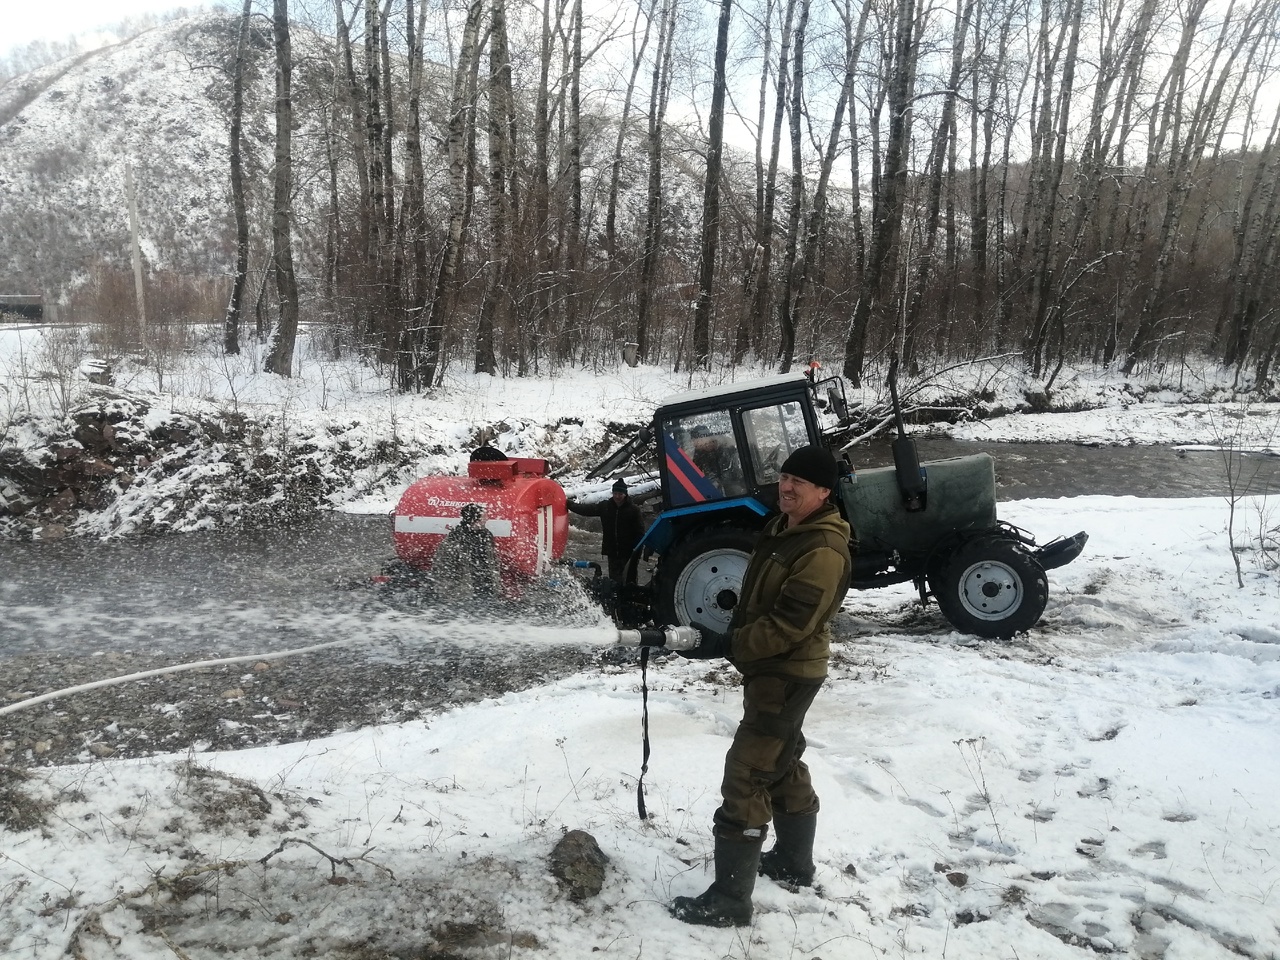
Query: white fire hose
[[669, 638], [161, 671]]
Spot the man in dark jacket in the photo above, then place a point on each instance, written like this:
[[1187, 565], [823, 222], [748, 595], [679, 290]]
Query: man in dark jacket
[[623, 528], [779, 639], [465, 565]]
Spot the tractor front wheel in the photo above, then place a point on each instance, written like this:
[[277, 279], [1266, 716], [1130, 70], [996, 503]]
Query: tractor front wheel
[[701, 577], [991, 587]]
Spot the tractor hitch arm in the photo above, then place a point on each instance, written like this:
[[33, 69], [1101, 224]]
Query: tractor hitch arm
[[1060, 552]]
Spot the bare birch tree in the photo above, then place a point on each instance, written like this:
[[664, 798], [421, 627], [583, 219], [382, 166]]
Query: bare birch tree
[[711, 195], [759, 280], [889, 193], [659, 94], [935, 173], [413, 208], [460, 129], [497, 269], [231, 326], [279, 358]]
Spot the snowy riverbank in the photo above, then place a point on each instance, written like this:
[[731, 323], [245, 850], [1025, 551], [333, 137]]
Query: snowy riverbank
[[202, 441], [1106, 783]]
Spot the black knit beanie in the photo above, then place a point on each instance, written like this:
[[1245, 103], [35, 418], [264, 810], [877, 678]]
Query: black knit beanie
[[815, 464], [619, 486]]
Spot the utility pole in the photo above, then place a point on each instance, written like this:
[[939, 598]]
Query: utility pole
[[137, 254]]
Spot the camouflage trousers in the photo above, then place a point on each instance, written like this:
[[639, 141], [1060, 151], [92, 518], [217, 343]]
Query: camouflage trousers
[[763, 771]]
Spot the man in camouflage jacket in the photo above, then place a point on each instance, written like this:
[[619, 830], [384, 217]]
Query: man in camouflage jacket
[[779, 639]]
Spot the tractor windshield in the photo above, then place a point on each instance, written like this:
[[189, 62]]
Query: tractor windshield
[[771, 434]]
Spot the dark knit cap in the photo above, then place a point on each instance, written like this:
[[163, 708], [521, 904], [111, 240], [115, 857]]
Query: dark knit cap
[[815, 464], [619, 486]]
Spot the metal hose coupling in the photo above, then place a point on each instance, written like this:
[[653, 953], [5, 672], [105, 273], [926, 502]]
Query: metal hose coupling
[[671, 638]]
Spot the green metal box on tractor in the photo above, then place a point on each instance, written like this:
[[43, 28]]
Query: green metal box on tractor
[[935, 524]]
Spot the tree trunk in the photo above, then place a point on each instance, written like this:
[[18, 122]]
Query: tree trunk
[[1048, 177], [658, 95], [615, 168], [461, 120], [754, 257], [1122, 50], [497, 267], [761, 281], [1181, 149], [711, 197], [890, 194], [373, 137], [388, 122], [853, 52], [934, 171], [571, 285], [355, 97], [377, 255], [280, 350], [413, 211], [541, 187], [786, 320], [815, 228], [1253, 233], [231, 326]]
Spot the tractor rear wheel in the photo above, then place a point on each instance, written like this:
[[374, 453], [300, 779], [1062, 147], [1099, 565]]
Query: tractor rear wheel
[[700, 579], [991, 587]]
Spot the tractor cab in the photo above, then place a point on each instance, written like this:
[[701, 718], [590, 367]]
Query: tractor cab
[[728, 443]]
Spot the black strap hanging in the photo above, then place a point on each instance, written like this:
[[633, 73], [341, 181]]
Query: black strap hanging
[[644, 767]]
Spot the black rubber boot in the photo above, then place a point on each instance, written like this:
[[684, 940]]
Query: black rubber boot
[[727, 902], [791, 859]]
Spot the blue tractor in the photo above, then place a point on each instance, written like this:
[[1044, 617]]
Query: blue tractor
[[718, 454]]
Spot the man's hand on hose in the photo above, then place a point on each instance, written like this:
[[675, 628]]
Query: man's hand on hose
[[714, 643]]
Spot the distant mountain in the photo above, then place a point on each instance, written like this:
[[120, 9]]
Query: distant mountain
[[161, 102]]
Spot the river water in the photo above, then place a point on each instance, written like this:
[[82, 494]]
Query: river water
[[239, 592], [1026, 470]]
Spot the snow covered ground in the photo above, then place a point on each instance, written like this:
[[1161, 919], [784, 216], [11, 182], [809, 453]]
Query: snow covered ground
[[1106, 784]]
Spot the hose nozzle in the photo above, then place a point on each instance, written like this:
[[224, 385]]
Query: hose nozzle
[[670, 638]]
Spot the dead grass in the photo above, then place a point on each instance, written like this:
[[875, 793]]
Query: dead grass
[[19, 810]]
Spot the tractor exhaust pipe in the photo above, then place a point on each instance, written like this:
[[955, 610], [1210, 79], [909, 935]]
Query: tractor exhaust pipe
[[669, 638], [906, 462]]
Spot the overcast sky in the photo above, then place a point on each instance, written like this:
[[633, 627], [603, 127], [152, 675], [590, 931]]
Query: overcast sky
[[20, 23]]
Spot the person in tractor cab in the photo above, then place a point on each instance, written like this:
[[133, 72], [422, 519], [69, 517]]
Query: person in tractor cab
[[465, 565], [717, 457], [623, 528], [779, 640]]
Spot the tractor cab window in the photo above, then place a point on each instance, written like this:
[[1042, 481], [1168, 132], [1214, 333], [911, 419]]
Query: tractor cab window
[[702, 458], [772, 433]]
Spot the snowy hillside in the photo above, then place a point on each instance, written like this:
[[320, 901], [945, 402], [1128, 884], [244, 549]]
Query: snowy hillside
[[161, 102], [153, 102]]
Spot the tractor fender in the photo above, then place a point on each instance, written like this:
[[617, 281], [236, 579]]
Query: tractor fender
[[699, 576], [670, 525]]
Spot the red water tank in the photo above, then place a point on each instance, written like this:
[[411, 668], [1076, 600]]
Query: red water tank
[[524, 510]]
